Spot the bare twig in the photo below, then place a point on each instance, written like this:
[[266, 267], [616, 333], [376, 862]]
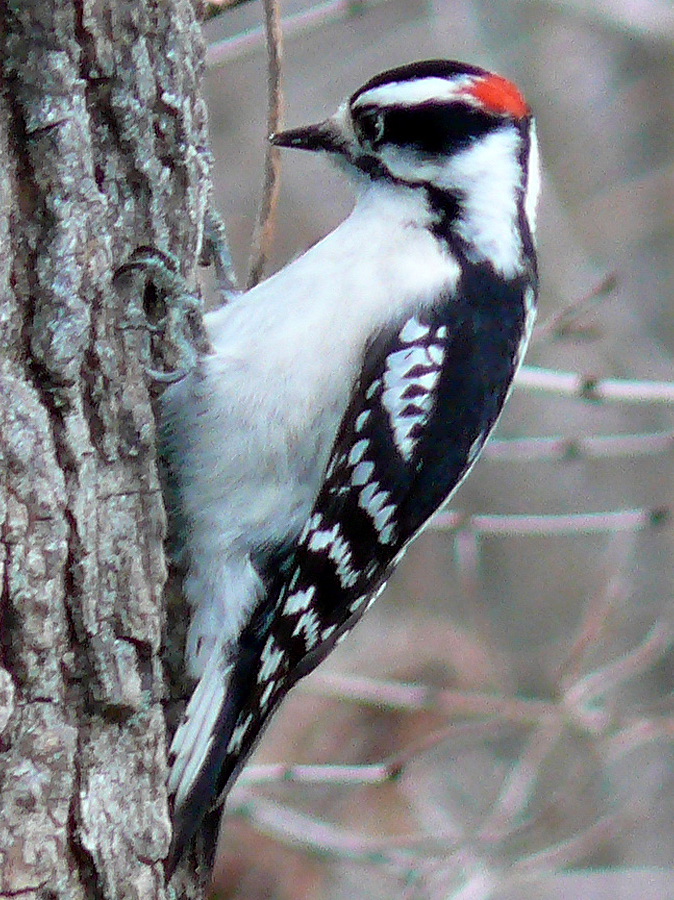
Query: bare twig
[[274, 773], [518, 787], [270, 188], [637, 661], [367, 773], [221, 52], [612, 590], [317, 835], [575, 848], [540, 526], [414, 698], [565, 322], [637, 734], [587, 387], [558, 449]]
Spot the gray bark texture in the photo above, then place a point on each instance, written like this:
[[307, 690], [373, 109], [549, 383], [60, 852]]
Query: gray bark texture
[[103, 147]]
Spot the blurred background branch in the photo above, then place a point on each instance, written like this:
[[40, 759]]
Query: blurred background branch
[[262, 235], [500, 724]]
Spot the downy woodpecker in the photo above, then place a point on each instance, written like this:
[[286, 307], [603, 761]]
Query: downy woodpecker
[[346, 399]]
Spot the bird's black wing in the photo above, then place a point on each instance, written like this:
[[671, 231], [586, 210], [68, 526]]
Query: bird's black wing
[[429, 393]]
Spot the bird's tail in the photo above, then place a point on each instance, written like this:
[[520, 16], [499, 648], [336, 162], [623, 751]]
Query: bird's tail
[[214, 741]]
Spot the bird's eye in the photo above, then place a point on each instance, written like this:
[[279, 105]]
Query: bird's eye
[[369, 127]]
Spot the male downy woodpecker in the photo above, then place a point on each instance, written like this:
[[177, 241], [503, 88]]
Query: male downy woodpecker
[[347, 397]]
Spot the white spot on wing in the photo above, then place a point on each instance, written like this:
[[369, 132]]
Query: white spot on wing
[[298, 601], [347, 576], [426, 381], [529, 321], [271, 657], [529, 298], [409, 408], [413, 330], [361, 474], [266, 694], [367, 599], [372, 390], [293, 581], [362, 419], [321, 539], [358, 451], [239, 734], [312, 523], [339, 552], [372, 499], [387, 534], [436, 353], [475, 449], [382, 517], [403, 360], [308, 623]]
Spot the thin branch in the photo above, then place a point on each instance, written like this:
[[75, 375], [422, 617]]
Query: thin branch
[[367, 773], [637, 661], [598, 390], [546, 525], [560, 449], [653, 21], [575, 848], [412, 698], [467, 558], [637, 734], [612, 591], [275, 773], [308, 20], [565, 322], [316, 835], [518, 787], [272, 161]]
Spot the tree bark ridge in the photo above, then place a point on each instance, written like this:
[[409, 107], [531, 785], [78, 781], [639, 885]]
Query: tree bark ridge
[[103, 147]]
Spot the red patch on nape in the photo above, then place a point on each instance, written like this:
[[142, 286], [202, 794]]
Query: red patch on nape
[[499, 96]]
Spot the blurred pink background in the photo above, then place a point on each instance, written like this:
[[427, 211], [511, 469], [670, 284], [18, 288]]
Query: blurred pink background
[[570, 793]]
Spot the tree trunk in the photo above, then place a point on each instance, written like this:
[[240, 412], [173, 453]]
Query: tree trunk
[[103, 147]]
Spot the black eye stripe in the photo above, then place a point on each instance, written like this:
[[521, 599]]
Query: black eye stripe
[[429, 127]]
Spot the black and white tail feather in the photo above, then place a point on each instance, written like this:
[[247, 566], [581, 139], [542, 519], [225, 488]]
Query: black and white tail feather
[[347, 398]]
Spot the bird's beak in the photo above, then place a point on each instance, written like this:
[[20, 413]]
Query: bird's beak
[[325, 136]]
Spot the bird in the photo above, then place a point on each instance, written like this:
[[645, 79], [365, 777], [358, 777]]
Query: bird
[[344, 399]]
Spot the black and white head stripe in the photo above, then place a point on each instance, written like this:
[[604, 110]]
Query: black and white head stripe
[[465, 136], [442, 82], [435, 106]]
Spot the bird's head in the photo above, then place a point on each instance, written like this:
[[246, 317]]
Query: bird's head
[[460, 132]]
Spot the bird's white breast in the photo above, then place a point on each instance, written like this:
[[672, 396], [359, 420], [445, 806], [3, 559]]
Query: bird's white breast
[[287, 352], [252, 429]]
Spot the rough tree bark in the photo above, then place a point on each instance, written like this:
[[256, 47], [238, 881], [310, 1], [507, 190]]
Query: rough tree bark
[[103, 147]]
